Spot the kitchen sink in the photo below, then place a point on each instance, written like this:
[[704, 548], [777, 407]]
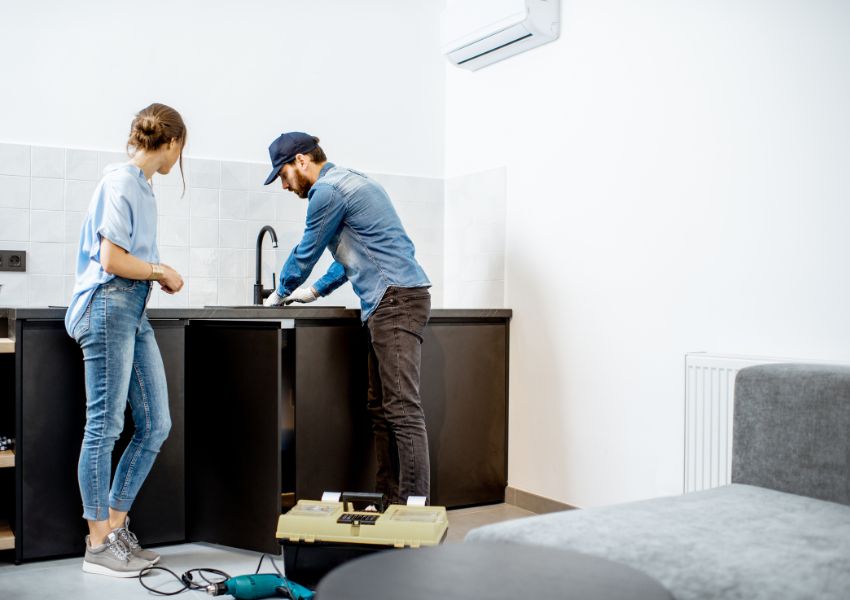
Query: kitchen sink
[[259, 306]]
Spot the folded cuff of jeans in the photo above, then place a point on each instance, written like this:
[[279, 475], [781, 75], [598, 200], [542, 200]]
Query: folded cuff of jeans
[[95, 513], [120, 504]]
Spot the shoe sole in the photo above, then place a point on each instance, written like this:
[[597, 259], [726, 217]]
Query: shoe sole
[[101, 570]]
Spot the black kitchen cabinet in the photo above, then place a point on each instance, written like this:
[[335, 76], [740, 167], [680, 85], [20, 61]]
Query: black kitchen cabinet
[[245, 379], [51, 406], [240, 434], [254, 448], [261, 416], [464, 396]]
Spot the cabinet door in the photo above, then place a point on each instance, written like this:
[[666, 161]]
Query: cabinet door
[[52, 409], [333, 439], [235, 432], [464, 396]]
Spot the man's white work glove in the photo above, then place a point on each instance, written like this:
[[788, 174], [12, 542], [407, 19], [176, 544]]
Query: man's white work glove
[[302, 295], [274, 299]]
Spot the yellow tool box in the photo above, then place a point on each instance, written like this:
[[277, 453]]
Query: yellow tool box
[[317, 536]]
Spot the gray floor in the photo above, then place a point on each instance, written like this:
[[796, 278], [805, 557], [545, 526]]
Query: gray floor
[[63, 579]]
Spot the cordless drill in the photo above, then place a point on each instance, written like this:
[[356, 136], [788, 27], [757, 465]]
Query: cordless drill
[[266, 585]]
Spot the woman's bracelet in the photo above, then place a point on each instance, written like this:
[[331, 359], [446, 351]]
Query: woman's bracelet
[[157, 272]]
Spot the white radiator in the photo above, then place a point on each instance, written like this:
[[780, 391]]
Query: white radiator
[[709, 403]]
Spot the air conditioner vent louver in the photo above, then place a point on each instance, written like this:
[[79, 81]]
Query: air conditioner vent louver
[[486, 52]]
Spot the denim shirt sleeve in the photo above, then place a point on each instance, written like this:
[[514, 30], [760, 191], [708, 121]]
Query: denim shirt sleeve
[[331, 280], [325, 212], [116, 218]]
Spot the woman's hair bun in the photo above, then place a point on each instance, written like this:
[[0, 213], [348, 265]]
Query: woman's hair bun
[[155, 126], [146, 133], [149, 125]]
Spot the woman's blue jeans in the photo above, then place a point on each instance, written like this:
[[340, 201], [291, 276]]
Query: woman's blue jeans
[[122, 363]]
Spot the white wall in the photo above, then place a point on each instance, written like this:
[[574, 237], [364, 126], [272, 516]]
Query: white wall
[[676, 181], [364, 76]]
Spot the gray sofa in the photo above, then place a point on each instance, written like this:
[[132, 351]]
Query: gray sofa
[[780, 530]]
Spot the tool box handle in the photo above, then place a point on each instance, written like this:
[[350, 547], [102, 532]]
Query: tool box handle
[[365, 498]]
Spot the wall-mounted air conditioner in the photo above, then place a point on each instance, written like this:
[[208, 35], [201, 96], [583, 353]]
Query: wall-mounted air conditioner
[[477, 33]]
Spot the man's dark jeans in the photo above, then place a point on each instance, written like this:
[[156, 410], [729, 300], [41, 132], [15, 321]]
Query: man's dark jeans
[[398, 422]]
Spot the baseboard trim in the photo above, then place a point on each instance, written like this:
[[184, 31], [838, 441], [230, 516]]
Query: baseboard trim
[[533, 502]]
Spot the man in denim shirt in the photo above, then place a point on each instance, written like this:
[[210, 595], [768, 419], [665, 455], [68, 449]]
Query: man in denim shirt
[[352, 216]]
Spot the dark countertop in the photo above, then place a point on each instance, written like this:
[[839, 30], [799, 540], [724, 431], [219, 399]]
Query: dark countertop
[[312, 313]]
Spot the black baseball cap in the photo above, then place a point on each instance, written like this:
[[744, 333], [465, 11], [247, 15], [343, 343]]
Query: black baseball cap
[[284, 149]]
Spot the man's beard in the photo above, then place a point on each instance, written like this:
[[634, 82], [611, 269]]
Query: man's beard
[[302, 185]]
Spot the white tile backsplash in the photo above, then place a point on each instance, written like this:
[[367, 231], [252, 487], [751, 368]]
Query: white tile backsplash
[[46, 290], [14, 290], [232, 262], [258, 173], [203, 233], [474, 240], [486, 237], [175, 257], [68, 289], [104, 159], [261, 207], [47, 226], [231, 234], [289, 207], [233, 204], [426, 240], [175, 177], [14, 224], [171, 201], [203, 262], [47, 194], [432, 265], [203, 291], [71, 252], [173, 231], [14, 191], [178, 300], [73, 226], [204, 203], [47, 162], [78, 195], [487, 267], [46, 259], [81, 164], [209, 234], [203, 173], [14, 160], [235, 175], [233, 291]]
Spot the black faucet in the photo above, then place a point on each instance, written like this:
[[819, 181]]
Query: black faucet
[[259, 293]]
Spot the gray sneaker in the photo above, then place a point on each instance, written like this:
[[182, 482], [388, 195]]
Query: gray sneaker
[[132, 542], [112, 558]]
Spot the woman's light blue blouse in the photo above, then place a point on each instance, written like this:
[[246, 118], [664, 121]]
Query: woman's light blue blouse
[[122, 210]]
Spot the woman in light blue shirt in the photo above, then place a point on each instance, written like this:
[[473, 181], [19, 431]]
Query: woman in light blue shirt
[[117, 262]]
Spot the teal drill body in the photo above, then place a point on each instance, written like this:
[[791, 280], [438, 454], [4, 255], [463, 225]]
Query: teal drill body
[[253, 587]]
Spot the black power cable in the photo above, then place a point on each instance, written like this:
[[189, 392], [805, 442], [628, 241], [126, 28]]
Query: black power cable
[[187, 580]]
